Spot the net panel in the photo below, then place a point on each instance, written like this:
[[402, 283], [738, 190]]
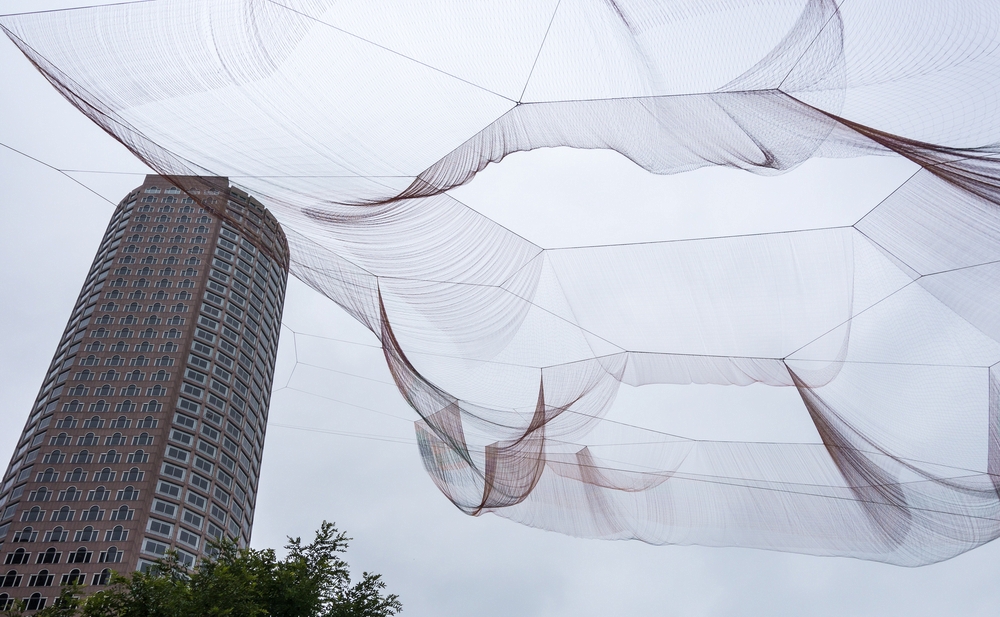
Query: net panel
[[355, 121]]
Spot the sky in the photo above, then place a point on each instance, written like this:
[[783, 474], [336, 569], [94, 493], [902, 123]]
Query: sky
[[340, 443]]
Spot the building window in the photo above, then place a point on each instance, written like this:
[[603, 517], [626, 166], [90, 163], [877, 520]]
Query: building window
[[112, 555], [11, 579], [63, 514], [88, 533], [49, 555], [122, 514], [54, 458], [110, 457], [62, 439], [49, 475], [188, 538], [160, 528], [133, 475], [131, 390], [42, 579], [35, 601], [154, 548], [106, 389], [89, 439], [92, 514], [103, 578], [70, 494], [116, 439], [79, 390], [164, 508], [57, 534], [42, 494], [192, 519], [33, 515], [118, 534], [73, 578], [168, 489], [200, 482], [80, 555]]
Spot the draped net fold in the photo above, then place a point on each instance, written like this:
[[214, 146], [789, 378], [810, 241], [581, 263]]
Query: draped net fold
[[354, 122]]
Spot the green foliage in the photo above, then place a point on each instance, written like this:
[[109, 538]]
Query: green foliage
[[311, 581]]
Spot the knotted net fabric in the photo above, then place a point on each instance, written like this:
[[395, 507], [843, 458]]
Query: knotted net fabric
[[353, 121]]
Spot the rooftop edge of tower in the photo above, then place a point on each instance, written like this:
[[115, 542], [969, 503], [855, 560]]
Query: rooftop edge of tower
[[239, 209]]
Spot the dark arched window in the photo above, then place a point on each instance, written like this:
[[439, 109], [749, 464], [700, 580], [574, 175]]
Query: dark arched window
[[88, 533], [11, 579], [122, 514], [58, 534], [63, 514], [17, 557], [42, 579], [50, 555], [118, 534], [80, 555], [35, 601], [74, 577], [90, 439], [105, 475]]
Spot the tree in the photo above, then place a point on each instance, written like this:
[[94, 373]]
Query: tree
[[311, 581]]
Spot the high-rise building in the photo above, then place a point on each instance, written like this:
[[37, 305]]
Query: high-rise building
[[148, 429]]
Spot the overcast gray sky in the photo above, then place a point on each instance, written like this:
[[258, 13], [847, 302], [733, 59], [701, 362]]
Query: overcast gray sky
[[366, 474]]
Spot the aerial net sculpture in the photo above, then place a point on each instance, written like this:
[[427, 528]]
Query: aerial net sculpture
[[354, 121]]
